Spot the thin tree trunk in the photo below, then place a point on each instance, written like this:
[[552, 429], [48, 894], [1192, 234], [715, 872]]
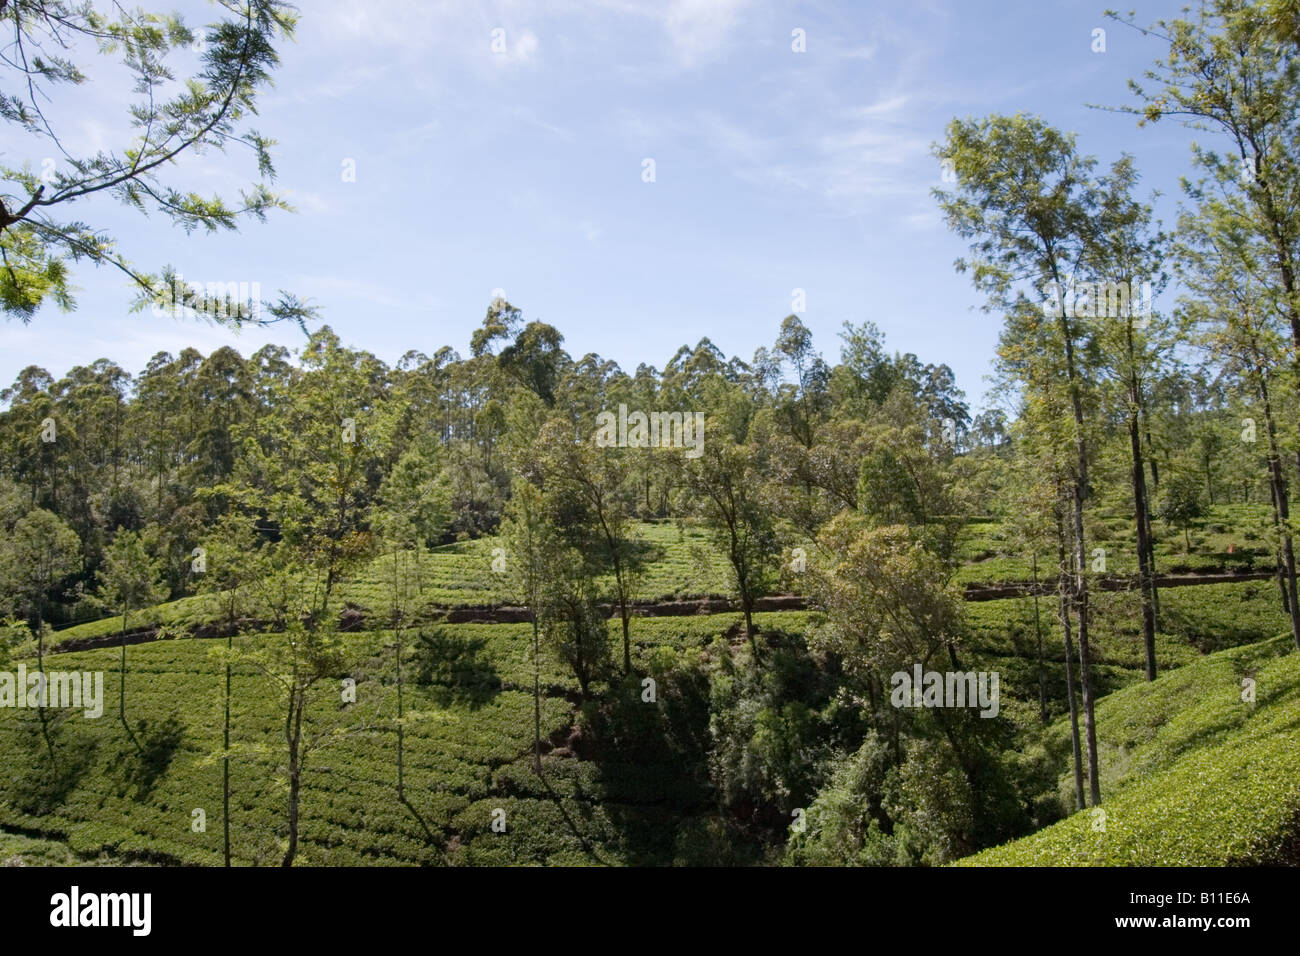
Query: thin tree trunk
[[537, 698], [1151, 563], [1038, 631], [1283, 512], [40, 667], [1064, 613], [1080, 552], [121, 690], [295, 775], [1145, 574], [1277, 554], [225, 759], [401, 765], [627, 638]]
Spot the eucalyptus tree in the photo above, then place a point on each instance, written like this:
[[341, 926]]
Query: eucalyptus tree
[[1029, 204], [130, 580], [525, 538], [31, 459], [1232, 69], [39, 553], [322, 465], [726, 488], [1029, 369], [1238, 319], [413, 509], [1134, 343], [596, 480], [301, 652], [803, 404], [232, 565]]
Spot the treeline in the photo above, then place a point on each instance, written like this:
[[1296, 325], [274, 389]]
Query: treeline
[[168, 452]]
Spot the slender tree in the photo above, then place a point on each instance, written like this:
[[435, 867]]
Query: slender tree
[[1028, 203], [129, 581], [232, 564]]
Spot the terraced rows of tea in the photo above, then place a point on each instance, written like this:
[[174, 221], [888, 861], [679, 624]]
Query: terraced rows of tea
[[468, 740], [614, 790]]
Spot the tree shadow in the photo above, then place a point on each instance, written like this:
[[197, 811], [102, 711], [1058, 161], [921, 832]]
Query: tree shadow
[[429, 835], [645, 553], [651, 758], [455, 669], [155, 747], [45, 784], [558, 798], [1219, 632]]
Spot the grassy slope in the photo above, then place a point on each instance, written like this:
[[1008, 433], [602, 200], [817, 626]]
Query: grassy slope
[[988, 557], [469, 752], [1191, 773], [466, 755], [680, 563]]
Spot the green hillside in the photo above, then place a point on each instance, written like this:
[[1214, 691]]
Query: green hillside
[[623, 783], [467, 754], [1193, 774]]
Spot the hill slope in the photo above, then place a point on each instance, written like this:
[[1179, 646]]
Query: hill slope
[[1192, 774]]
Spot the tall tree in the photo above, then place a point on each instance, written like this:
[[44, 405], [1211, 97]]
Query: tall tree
[[1230, 68], [726, 488], [1028, 203], [40, 552], [129, 581], [597, 481], [1126, 256], [1221, 266], [233, 564]]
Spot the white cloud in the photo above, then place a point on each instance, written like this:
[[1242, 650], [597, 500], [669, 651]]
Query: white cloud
[[699, 29], [525, 46]]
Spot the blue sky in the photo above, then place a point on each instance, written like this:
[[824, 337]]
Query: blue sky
[[523, 171]]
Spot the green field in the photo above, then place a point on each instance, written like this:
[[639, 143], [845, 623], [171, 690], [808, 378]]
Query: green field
[[623, 784], [1193, 774], [467, 754]]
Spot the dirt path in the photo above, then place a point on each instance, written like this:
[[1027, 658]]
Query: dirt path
[[353, 619]]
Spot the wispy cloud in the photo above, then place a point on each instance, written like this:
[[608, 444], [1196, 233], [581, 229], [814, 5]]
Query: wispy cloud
[[700, 29]]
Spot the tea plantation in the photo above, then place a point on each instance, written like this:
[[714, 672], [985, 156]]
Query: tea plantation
[[1191, 772]]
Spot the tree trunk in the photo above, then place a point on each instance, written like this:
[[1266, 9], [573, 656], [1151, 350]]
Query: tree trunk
[[1038, 631], [40, 667], [1283, 509], [627, 637], [401, 730], [537, 698], [1277, 554], [295, 773], [1145, 572], [225, 758], [121, 690], [748, 603], [1081, 556], [1064, 613]]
